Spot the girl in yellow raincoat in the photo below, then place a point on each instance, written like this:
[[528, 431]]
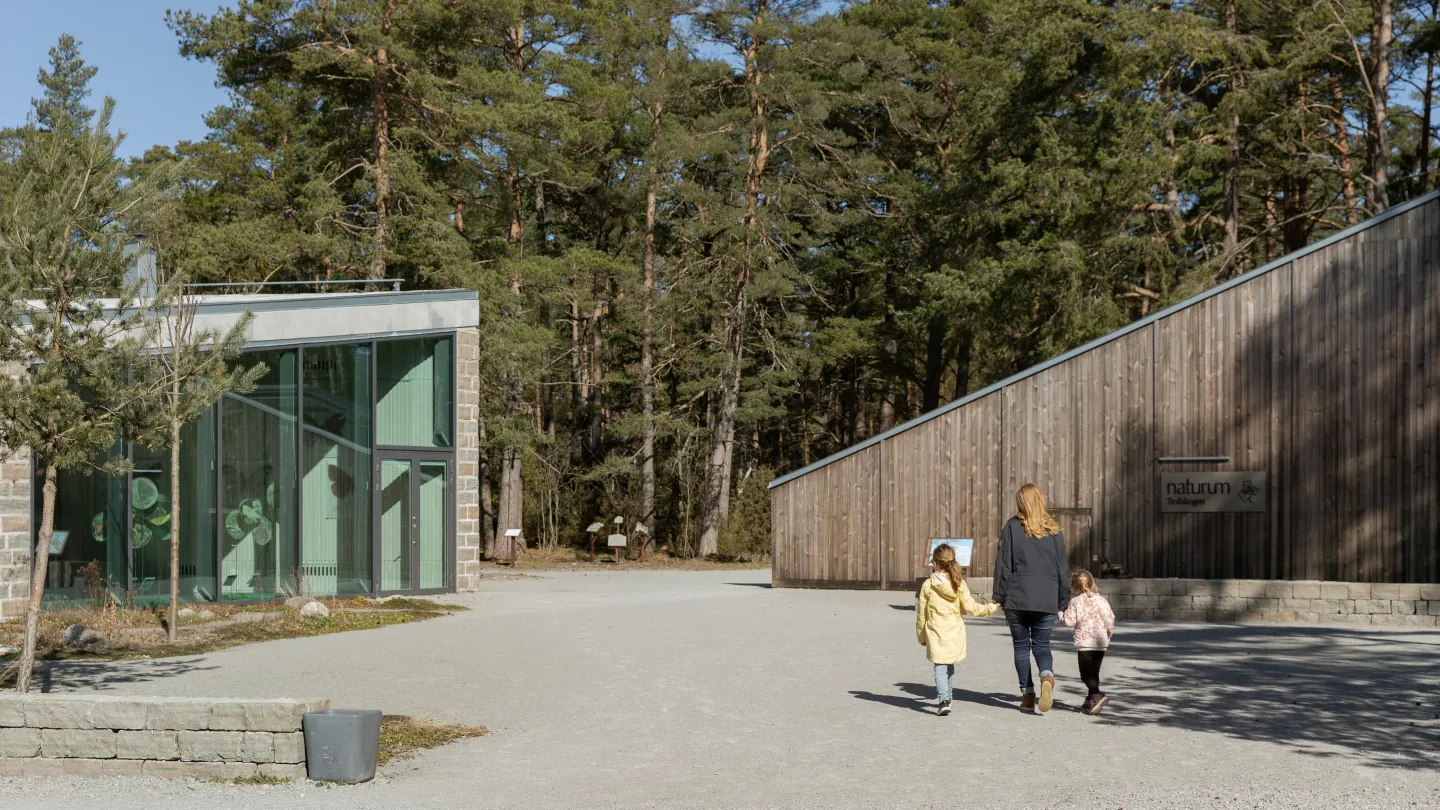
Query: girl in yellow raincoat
[[944, 600]]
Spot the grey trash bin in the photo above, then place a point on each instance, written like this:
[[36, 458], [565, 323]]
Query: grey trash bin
[[341, 744]]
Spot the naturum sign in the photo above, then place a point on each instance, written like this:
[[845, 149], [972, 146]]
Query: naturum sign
[[1212, 492]]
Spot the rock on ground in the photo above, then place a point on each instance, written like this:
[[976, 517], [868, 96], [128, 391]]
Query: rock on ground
[[315, 610], [78, 635]]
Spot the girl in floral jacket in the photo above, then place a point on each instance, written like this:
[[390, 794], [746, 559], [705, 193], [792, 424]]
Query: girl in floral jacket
[[1094, 622]]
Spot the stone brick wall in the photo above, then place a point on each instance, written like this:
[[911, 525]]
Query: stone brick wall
[[1259, 600], [204, 738], [15, 484], [467, 457]]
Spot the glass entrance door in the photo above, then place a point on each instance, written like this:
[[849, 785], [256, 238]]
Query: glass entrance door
[[412, 504]]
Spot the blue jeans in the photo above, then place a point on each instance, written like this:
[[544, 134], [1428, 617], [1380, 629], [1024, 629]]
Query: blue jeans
[[1030, 633], [942, 680]]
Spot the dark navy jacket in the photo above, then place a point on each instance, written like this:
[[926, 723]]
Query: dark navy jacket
[[1031, 572]]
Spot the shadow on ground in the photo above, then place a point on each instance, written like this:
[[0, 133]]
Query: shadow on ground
[[102, 675], [1315, 689], [920, 697]]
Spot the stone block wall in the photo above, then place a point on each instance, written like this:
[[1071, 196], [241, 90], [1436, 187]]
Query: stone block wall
[[1262, 601], [15, 485], [467, 458], [204, 738]]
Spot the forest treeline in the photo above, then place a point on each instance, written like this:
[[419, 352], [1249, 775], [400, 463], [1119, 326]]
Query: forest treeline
[[714, 239]]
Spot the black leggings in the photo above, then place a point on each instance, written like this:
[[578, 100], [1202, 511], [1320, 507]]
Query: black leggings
[[1090, 661]]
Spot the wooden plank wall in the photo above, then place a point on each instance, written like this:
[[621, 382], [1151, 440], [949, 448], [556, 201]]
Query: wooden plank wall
[[826, 526], [1222, 386], [943, 480], [1324, 372]]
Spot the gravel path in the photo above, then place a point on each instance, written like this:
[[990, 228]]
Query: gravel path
[[711, 690]]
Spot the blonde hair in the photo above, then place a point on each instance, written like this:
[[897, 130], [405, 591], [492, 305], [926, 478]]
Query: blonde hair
[[1030, 508], [944, 560], [1081, 581]]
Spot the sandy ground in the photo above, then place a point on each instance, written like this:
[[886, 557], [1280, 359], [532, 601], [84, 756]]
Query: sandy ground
[[711, 690]]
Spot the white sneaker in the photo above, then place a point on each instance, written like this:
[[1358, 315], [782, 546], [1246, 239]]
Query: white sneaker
[[944, 707]]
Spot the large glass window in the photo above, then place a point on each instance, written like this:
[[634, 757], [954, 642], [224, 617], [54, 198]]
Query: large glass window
[[336, 463], [433, 522], [87, 553], [416, 396], [152, 522], [258, 480], [396, 525]]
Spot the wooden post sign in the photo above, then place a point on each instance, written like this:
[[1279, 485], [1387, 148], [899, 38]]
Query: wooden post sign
[[594, 530], [1213, 491]]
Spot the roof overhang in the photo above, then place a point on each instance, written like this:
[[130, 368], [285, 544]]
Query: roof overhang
[[280, 320]]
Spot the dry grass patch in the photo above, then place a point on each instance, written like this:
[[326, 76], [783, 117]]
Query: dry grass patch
[[260, 779], [401, 736], [140, 632], [569, 558]]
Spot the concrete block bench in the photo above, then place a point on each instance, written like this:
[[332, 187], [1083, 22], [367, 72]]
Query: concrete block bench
[[204, 738]]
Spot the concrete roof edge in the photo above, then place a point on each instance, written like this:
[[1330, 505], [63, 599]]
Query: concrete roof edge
[[1113, 336]]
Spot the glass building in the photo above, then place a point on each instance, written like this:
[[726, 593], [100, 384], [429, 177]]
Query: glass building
[[336, 475]]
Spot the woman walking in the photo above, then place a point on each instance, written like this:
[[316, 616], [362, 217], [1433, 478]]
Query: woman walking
[[1031, 582]]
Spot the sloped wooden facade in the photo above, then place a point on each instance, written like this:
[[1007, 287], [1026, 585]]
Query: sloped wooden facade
[[1321, 369]]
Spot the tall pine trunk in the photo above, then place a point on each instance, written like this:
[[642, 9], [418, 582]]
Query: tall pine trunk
[[39, 565], [647, 365], [1427, 107], [1231, 227], [487, 504], [1382, 36], [722, 435], [1342, 148], [934, 364], [380, 239], [512, 499]]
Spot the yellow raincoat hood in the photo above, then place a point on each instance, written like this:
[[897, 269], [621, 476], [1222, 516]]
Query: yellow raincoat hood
[[938, 618]]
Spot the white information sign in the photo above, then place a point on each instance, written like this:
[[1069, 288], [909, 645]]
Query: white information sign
[[962, 550], [615, 541]]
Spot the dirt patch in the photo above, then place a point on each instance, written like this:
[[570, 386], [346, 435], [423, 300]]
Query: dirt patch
[[401, 736]]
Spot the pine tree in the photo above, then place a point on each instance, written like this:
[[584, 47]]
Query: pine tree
[[68, 317], [67, 85]]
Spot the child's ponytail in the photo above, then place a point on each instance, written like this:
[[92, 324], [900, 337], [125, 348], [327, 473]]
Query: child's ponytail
[[944, 560]]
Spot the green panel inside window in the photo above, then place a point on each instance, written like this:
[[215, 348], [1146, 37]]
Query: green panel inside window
[[88, 548], [153, 523], [335, 466], [258, 482], [416, 392]]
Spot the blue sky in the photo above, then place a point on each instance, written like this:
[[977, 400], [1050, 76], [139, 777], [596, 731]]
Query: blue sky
[[159, 96]]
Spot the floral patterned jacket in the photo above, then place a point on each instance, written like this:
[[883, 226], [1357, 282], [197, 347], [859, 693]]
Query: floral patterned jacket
[[1092, 618]]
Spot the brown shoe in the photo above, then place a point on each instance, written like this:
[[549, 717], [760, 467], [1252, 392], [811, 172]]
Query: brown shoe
[[1047, 693], [1098, 704], [1027, 702]]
